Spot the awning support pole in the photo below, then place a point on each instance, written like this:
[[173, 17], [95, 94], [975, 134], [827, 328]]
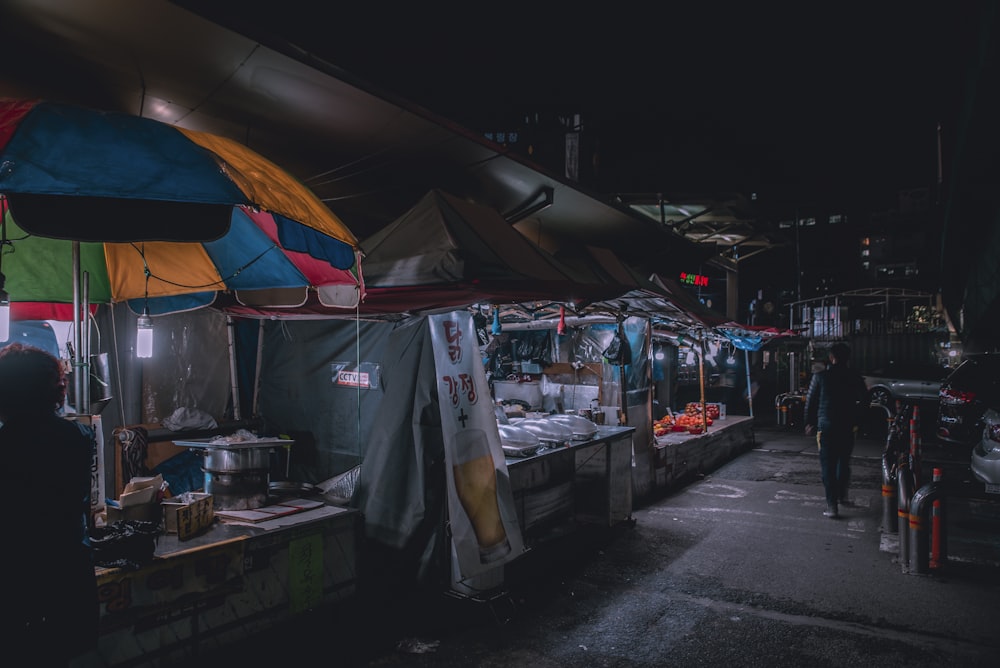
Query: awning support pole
[[234, 382]]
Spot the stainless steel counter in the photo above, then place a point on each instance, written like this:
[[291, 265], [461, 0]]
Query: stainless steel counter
[[583, 481]]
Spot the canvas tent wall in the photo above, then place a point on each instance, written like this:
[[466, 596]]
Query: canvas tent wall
[[445, 251], [321, 382]]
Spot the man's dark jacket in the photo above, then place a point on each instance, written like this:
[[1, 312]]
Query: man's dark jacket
[[835, 399]]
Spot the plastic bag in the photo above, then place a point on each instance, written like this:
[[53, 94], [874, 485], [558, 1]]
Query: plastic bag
[[126, 544], [618, 351]]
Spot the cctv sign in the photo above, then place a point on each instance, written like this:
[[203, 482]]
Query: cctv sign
[[364, 376], [352, 379]]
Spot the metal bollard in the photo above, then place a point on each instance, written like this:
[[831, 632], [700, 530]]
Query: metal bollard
[[890, 460], [924, 500], [938, 550], [939, 528], [905, 486], [890, 517], [781, 415], [915, 454]]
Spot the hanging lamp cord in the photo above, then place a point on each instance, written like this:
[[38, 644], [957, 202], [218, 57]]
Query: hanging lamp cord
[[146, 272]]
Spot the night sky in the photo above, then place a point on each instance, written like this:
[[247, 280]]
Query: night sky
[[828, 98]]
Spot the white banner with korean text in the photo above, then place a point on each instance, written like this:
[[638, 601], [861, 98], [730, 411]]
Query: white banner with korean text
[[481, 508]]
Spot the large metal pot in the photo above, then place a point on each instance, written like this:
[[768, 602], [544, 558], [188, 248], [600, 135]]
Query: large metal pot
[[237, 478], [226, 460]]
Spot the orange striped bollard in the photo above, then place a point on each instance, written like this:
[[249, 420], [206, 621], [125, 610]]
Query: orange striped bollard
[[939, 543]]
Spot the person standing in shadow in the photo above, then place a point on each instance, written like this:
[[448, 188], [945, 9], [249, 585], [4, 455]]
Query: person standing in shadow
[[833, 407], [51, 586]]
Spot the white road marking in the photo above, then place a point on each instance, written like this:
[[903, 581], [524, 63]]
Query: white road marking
[[723, 491]]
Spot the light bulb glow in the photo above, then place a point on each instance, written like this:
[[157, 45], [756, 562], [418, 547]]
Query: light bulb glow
[[144, 336], [4, 317]]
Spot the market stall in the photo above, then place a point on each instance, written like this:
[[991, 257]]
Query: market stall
[[684, 450], [227, 583], [389, 391], [394, 400], [213, 216]]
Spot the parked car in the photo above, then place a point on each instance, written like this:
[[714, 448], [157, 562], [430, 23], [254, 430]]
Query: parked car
[[966, 393], [905, 381], [986, 453]]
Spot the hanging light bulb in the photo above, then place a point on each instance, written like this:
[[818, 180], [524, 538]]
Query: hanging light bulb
[[144, 335], [4, 297], [144, 323], [4, 310]]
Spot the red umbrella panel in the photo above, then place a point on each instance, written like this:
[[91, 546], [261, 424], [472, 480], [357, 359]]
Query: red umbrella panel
[[249, 262]]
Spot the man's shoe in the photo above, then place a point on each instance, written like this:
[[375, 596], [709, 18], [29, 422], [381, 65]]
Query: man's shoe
[[831, 512]]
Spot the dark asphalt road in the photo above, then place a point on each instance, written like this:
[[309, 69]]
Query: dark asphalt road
[[738, 568]]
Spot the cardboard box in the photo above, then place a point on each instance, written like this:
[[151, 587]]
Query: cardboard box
[[138, 501], [188, 514]]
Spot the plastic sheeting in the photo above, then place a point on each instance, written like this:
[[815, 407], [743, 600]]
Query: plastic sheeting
[[189, 368]]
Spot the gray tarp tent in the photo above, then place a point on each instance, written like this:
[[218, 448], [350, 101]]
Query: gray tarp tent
[[447, 252]]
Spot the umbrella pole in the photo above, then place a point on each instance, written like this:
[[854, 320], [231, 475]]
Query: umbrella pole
[[118, 366], [622, 380], [256, 371], [85, 341], [701, 381], [746, 357], [77, 381]]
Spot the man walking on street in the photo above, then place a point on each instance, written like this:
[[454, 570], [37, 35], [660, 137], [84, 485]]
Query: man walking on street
[[833, 410]]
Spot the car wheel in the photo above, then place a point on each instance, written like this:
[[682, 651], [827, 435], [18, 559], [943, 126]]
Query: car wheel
[[880, 396]]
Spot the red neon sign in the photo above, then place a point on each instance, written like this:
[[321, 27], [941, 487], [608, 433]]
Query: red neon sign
[[694, 279]]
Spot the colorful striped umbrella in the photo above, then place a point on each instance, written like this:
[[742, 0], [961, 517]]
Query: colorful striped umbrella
[[160, 214]]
